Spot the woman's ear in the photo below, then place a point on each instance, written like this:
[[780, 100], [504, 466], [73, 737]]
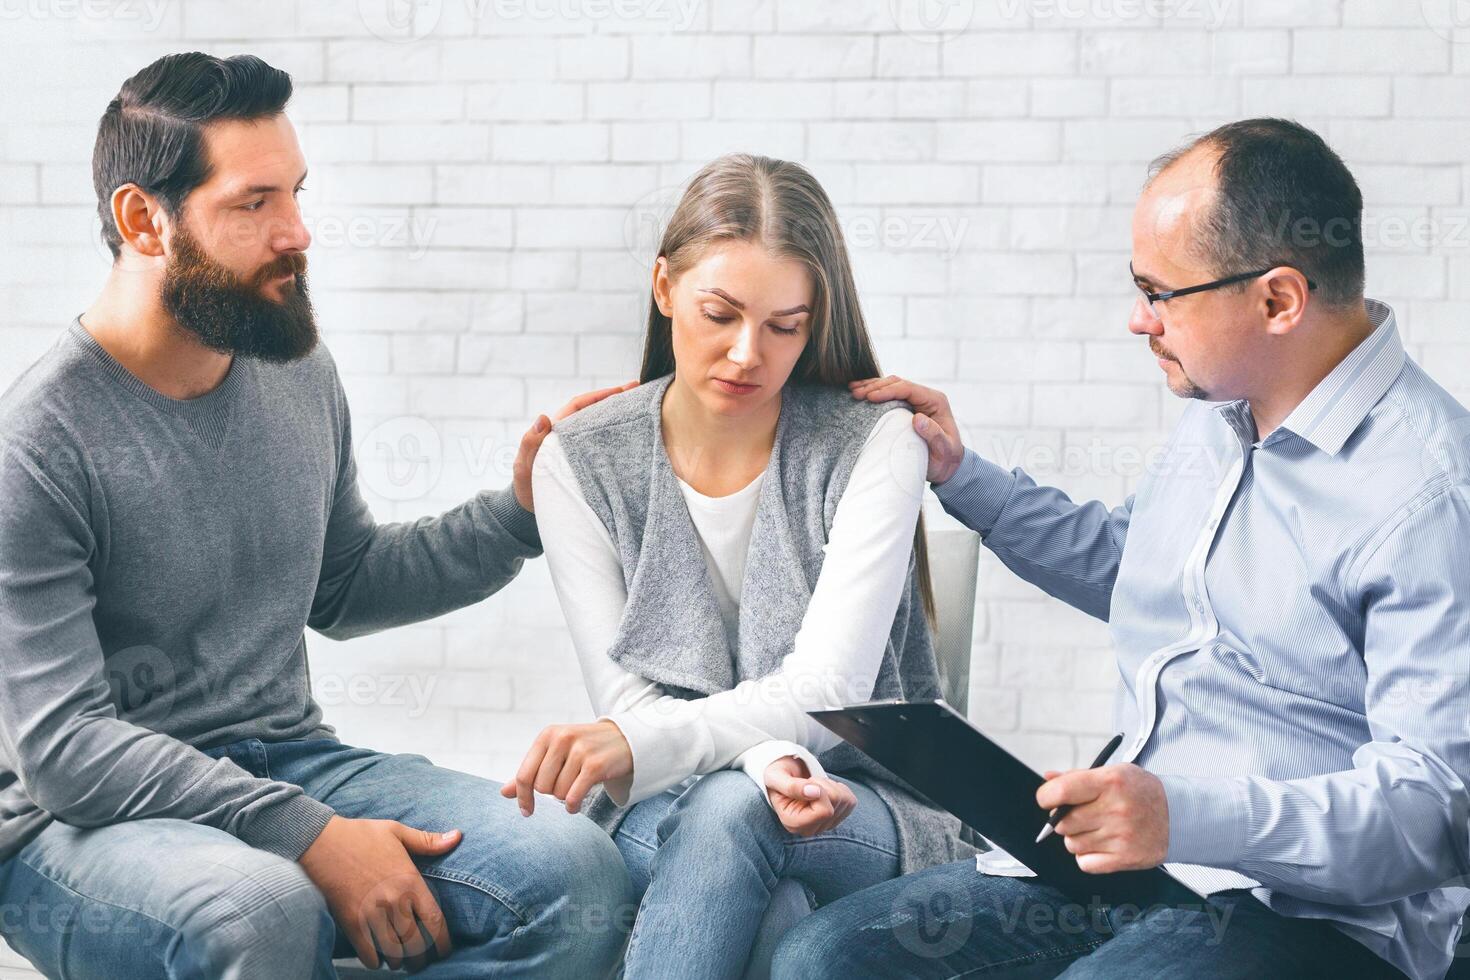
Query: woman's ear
[[663, 287], [139, 219]]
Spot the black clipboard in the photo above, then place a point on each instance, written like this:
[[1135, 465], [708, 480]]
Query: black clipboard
[[938, 752]]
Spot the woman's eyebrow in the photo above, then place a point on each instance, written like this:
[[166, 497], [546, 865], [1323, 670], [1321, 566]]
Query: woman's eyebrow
[[724, 296], [740, 306]]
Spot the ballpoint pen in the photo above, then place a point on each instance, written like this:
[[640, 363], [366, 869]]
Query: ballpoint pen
[[1062, 811]]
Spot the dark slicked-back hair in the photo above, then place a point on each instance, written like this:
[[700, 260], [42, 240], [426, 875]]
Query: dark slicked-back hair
[[1284, 198], [152, 133]]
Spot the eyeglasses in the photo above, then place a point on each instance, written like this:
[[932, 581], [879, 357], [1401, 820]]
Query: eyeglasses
[[1151, 298]]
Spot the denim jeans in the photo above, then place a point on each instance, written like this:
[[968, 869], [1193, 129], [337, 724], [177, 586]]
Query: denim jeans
[[952, 921], [707, 860], [545, 896]]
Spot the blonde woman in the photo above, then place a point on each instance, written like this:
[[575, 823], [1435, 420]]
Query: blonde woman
[[734, 542]]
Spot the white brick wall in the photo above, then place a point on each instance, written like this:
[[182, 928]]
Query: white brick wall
[[486, 175]]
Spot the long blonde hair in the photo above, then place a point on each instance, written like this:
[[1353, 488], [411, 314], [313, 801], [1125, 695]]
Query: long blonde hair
[[780, 206]]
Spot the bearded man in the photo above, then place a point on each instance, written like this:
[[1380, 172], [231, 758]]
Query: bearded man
[[178, 502]]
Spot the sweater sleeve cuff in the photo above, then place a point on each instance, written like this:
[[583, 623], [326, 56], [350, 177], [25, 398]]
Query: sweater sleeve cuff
[[977, 492], [757, 758], [1206, 821], [655, 765], [521, 523], [288, 828]]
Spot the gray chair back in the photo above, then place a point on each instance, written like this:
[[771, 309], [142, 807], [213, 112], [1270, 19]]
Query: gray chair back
[[954, 563]]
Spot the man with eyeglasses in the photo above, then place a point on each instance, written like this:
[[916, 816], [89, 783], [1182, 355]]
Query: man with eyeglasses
[[1288, 593]]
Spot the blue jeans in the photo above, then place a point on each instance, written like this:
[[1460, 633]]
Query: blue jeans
[[708, 860], [952, 921], [546, 896]]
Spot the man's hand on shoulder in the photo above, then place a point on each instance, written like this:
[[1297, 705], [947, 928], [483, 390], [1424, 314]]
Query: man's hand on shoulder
[[536, 435], [932, 419]]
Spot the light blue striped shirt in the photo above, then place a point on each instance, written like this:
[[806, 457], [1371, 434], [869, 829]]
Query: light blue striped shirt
[[1291, 617]]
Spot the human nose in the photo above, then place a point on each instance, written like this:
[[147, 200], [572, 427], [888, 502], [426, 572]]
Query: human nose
[[745, 352], [292, 235], [1143, 320]]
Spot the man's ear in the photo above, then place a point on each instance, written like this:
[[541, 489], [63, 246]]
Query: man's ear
[[1286, 297], [139, 219]]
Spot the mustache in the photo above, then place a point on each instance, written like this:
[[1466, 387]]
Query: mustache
[[1153, 345], [290, 264]]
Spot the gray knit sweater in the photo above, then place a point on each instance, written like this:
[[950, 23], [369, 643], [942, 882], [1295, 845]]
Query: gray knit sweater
[[159, 562]]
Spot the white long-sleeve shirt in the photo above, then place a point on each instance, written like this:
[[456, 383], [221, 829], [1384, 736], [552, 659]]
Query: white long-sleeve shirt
[[835, 655]]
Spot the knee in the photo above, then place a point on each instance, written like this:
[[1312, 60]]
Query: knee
[[591, 874], [727, 805], [601, 904], [814, 947], [564, 894], [261, 916], [586, 925]]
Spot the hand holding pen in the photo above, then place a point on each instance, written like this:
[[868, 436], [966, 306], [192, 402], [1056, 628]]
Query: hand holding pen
[[1056, 815], [1113, 817]]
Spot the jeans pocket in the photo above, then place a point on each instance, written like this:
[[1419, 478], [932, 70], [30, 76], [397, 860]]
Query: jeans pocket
[[247, 753], [264, 758]]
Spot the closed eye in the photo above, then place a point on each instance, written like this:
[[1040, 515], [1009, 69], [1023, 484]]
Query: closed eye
[[722, 320]]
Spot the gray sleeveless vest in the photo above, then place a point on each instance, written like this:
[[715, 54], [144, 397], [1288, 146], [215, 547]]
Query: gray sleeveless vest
[[671, 631]]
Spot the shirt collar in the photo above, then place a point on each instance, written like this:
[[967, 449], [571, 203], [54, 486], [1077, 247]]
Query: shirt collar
[[1337, 406]]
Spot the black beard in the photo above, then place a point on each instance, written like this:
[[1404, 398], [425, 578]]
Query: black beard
[[231, 315]]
